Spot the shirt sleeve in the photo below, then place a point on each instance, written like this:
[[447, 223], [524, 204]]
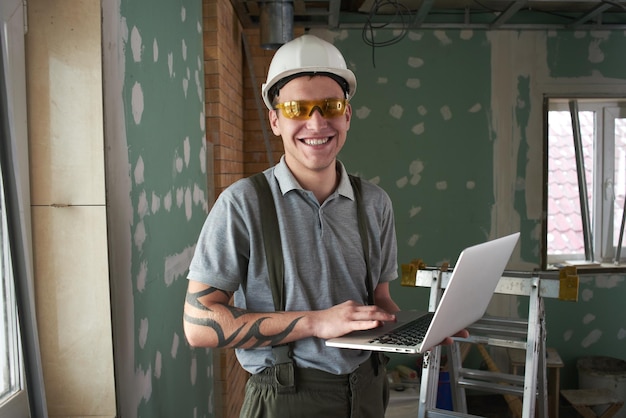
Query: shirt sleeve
[[223, 249]]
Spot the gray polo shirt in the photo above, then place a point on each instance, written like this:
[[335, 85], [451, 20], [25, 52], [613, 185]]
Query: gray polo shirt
[[322, 251]]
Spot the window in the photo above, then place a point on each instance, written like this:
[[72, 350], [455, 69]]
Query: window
[[11, 366], [586, 187]]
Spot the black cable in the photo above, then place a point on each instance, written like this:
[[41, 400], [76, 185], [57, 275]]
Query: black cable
[[401, 12]]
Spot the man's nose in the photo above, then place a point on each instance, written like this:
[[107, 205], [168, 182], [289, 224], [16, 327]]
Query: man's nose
[[313, 111], [316, 118]]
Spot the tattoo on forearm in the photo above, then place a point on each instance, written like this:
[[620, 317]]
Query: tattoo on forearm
[[194, 298], [252, 334]]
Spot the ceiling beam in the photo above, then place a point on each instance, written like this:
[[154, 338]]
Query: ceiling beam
[[508, 13]]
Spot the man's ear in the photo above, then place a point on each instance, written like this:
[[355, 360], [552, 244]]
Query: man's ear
[[274, 122]]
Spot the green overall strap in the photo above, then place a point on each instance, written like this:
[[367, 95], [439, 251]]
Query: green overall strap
[[375, 358], [271, 240], [362, 218], [275, 269]]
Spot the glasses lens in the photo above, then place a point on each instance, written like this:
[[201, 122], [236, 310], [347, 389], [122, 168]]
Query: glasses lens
[[304, 109]]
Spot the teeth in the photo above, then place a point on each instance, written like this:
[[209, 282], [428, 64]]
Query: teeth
[[317, 141]]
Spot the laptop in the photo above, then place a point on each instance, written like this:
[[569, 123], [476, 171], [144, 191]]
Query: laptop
[[464, 301]]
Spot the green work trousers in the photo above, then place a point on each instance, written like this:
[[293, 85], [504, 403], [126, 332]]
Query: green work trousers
[[363, 393]]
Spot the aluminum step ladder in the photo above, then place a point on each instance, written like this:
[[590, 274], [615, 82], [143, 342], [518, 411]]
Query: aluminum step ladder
[[526, 395]]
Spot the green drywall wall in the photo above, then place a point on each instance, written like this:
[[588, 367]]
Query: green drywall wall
[[163, 95], [427, 118]]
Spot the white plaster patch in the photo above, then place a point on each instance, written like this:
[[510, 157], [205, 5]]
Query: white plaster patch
[[442, 37], [158, 364], [137, 102], [415, 168], [441, 185], [155, 50], [601, 34], [185, 86], [199, 27], [396, 111], [175, 343], [466, 35], [142, 275], [186, 151], [184, 49], [180, 195], [418, 129], [167, 201], [592, 338], [198, 197], [414, 211], [156, 203], [401, 182], [595, 54], [202, 156], [446, 113], [363, 112], [476, 108], [415, 62], [170, 64], [608, 282], [135, 44], [188, 203], [143, 384], [567, 335], [142, 204], [422, 110], [138, 173], [413, 240], [143, 332], [587, 295], [178, 162], [414, 36], [621, 334], [413, 83], [176, 265], [140, 235], [470, 185], [588, 318], [382, 80], [375, 180], [124, 29], [196, 76], [183, 14], [193, 370]]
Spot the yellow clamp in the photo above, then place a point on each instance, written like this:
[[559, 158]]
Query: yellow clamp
[[409, 272], [568, 283]]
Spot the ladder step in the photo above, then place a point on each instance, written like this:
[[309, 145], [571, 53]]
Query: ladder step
[[498, 342], [490, 386], [442, 413], [490, 376]]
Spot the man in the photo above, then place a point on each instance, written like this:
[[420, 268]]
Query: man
[[325, 271]]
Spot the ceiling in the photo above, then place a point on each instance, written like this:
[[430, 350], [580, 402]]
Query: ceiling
[[442, 14]]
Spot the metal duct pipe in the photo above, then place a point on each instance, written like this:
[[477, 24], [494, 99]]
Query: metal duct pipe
[[276, 23]]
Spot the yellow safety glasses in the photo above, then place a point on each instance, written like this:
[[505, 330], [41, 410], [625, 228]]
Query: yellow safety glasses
[[303, 109]]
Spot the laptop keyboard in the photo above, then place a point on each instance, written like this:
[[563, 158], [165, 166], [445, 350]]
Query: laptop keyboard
[[412, 333]]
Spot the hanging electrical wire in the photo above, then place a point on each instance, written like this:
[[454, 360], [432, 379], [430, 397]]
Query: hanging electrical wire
[[401, 14]]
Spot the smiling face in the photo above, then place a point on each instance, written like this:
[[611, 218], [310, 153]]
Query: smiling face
[[311, 145]]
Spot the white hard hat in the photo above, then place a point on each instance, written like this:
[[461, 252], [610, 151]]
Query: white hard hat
[[307, 54]]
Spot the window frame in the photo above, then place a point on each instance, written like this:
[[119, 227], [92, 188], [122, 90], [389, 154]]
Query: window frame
[[606, 108]]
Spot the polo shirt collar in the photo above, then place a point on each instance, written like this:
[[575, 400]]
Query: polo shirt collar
[[288, 182]]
